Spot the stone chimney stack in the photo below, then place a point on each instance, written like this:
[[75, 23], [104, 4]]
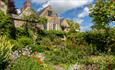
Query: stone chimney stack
[[27, 4]]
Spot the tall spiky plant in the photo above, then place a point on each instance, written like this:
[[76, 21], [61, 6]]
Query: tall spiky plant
[[5, 51]]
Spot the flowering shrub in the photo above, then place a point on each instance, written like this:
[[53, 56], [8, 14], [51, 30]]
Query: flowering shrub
[[26, 59], [29, 53], [40, 57], [24, 51], [28, 63]]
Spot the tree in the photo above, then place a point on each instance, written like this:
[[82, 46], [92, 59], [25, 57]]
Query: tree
[[11, 7], [11, 10], [72, 34], [110, 7], [73, 26], [102, 13], [4, 23], [32, 20]]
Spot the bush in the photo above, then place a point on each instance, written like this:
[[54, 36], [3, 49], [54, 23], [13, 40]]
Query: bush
[[5, 51], [70, 54], [104, 61], [97, 38], [102, 40], [27, 63], [35, 47], [25, 41], [22, 42], [22, 32]]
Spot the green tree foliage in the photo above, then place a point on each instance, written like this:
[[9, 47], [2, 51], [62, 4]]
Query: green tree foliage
[[32, 20], [73, 26], [110, 7], [4, 23], [74, 29], [102, 13]]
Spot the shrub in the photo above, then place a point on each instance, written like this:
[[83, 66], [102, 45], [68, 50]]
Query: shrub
[[35, 47], [20, 32], [27, 63], [102, 40], [104, 61], [25, 41], [70, 54], [22, 42], [5, 51]]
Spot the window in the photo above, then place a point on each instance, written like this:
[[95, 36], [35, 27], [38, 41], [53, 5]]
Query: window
[[54, 26], [49, 13], [45, 26]]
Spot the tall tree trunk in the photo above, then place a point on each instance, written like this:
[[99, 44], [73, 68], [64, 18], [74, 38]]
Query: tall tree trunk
[[11, 10]]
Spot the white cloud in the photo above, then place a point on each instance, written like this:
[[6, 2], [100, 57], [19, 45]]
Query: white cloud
[[38, 1], [84, 13], [63, 5], [43, 6], [80, 21], [18, 11], [84, 28]]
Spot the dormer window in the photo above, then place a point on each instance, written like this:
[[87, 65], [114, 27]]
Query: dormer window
[[49, 13]]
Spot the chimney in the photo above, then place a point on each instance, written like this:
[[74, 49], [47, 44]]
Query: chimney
[[27, 5]]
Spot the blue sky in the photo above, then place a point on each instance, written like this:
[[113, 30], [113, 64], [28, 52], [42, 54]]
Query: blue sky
[[76, 10]]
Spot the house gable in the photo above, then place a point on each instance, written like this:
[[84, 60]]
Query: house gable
[[48, 11], [64, 25]]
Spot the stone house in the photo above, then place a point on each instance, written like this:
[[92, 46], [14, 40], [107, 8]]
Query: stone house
[[53, 20]]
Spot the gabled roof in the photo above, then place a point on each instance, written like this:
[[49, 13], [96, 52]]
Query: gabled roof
[[63, 24], [49, 6], [61, 20], [43, 9]]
